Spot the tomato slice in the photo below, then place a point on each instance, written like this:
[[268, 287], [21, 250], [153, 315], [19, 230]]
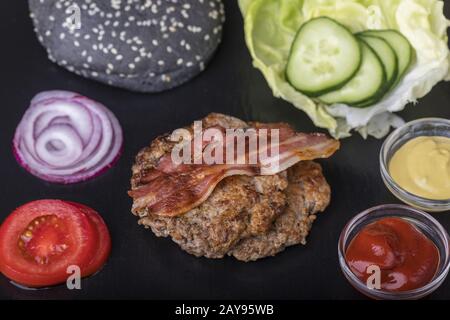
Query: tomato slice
[[104, 240], [40, 239]]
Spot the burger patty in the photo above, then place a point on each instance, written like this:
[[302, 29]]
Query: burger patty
[[245, 217]]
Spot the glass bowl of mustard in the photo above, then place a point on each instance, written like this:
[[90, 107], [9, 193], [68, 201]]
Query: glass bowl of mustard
[[403, 254], [415, 164]]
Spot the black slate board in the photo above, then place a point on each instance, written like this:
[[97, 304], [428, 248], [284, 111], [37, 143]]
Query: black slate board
[[143, 266]]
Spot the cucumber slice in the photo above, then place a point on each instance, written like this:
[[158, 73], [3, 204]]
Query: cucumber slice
[[387, 56], [365, 85], [401, 46], [368, 103], [324, 57]]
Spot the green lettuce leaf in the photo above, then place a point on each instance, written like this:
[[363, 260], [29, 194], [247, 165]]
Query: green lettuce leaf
[[271, 25]]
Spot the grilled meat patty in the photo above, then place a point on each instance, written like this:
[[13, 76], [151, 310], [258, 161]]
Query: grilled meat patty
[[245, 217]]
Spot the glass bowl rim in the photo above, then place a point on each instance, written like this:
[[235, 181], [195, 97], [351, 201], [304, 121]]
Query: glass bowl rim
[[393, 186], [357, 220]]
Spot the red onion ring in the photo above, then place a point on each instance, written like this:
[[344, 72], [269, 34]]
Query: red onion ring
[[67, 138]]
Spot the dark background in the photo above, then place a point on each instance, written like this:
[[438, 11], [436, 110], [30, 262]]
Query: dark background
[[143, 266]]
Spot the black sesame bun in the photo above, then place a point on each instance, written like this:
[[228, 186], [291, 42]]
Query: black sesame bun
[[141, 45]]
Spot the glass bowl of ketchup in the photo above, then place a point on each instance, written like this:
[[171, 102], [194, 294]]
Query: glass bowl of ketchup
[[394, 252]]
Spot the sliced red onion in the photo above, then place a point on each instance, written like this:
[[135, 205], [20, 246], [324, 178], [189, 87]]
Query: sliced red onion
[[67, 138]]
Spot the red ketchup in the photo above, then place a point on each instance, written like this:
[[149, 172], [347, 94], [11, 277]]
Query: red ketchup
[[406, 257]]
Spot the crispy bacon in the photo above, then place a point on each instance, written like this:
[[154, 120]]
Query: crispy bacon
[[172, 189]]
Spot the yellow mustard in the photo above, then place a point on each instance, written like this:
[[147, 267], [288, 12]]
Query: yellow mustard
[[422, 167]]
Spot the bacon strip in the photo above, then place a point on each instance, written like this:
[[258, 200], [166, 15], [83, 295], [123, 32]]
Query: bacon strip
[[171, 190]]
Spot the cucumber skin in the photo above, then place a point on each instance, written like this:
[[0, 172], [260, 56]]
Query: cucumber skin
[[375, 95], [400, 76], [384, 89], [316, 94], [378, 95], [411, 50], [394, 79], [367, 103]]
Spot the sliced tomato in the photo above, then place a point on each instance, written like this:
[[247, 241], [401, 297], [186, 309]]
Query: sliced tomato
[[104, 240], [40, 239]]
